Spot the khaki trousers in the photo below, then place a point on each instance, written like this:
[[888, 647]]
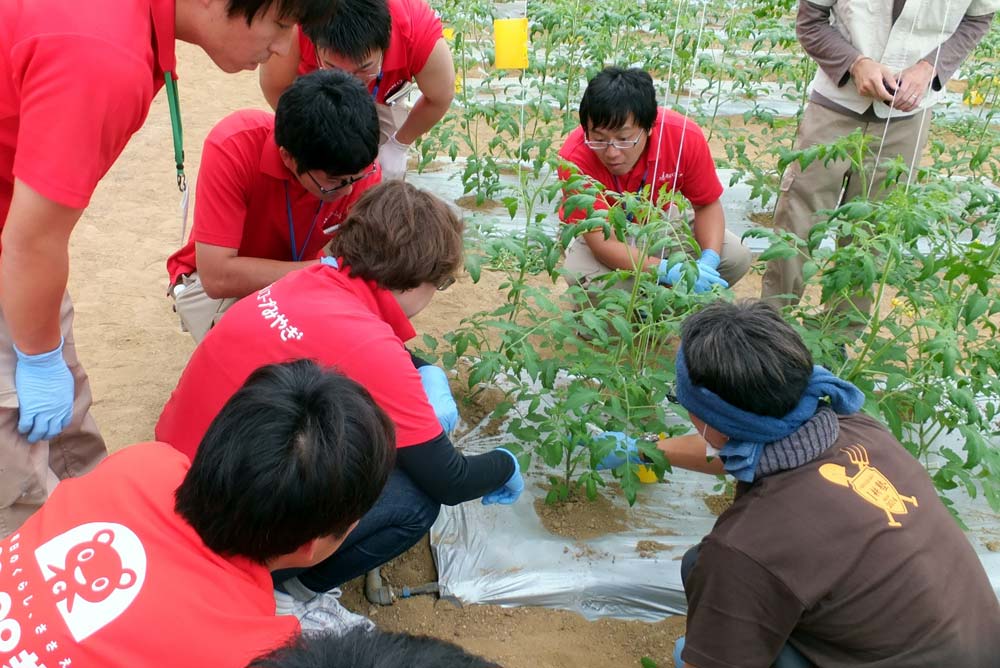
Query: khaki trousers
[[819, 186], [29, 471], [198, 312], [390, 118], [583, 268]]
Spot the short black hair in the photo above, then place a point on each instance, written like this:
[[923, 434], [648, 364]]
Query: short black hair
[[748, 355], [375, 649], [615, 94], [299, 452], [354, 29], [327, 121], [303, 12]]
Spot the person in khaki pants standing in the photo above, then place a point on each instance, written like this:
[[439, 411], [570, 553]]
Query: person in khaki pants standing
[[883, 65]]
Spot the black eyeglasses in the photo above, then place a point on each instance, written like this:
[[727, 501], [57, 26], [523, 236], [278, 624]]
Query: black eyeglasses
[[343, 184], [445, 284]]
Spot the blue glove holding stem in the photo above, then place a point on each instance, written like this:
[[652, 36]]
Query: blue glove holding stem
[[625, 448], [438, 392], [45, 393], [708, 275], [511, 490]]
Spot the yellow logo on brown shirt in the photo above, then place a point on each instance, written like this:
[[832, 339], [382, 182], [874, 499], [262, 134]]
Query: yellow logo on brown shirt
[[869, 483]]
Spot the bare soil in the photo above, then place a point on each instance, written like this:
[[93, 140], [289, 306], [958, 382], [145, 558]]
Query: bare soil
[[581, 519]]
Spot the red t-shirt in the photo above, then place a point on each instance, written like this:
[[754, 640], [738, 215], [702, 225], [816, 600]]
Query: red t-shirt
[[416, 28], [693, 174], [106, 574], [317, 313], [76, 82], [241, 202]]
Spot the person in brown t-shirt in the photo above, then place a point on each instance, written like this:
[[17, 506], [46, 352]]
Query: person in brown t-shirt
[[837, 550]]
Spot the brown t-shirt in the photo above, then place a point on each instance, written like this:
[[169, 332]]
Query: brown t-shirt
[[852, 558]]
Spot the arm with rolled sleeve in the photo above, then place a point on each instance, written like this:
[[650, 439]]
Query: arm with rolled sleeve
[[739, 613]]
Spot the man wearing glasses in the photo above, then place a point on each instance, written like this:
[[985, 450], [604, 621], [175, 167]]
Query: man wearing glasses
[[271, 191], [386, 44], [397, 249], [627, 144]]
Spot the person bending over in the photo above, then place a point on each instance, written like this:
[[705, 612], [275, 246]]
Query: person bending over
[[386, 44], [396, 250], [837, 550], [153, 559], [272, 189]]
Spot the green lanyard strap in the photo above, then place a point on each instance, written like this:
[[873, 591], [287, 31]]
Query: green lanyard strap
[[175, 126]]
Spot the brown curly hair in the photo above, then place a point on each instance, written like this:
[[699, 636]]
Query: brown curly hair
[[400, 237]]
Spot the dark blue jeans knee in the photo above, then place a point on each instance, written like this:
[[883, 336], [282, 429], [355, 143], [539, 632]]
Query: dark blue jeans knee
[[397, 521]]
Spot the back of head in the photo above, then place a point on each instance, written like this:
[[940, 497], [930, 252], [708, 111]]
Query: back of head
[[326, 120], [616, 94], [375, 649], [298, 453], [355, 29], [748, 355], [400, 237], [303, 12]]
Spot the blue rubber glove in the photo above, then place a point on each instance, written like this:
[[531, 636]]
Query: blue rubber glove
[[329, 261], [438, 392], [511, 490], [625, 448], [45, 393], [707, 272]]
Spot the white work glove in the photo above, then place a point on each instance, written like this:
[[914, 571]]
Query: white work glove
[[392, 156]]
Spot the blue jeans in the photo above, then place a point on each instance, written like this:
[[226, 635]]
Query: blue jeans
[[789, 657], [400, 518]]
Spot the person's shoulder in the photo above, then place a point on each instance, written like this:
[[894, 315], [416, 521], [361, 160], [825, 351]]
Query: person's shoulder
[[409, 12], [159, 457], [253, 125], [676, 122]]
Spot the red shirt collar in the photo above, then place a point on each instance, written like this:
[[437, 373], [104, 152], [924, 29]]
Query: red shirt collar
[[380, 301], [163, 15]]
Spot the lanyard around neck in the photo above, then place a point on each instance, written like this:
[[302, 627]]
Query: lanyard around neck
[[170, 83], [296, 251], [378, 82]]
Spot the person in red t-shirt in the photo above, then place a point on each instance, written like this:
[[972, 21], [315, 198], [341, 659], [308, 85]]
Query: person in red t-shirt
[[76, 81], [626, 143], [386, 44], [398, 246], [154, 560], [271, 189]]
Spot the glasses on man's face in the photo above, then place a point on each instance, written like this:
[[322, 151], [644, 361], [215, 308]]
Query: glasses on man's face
[[343, 184], [620, 144], [366, 72], [446, 283]]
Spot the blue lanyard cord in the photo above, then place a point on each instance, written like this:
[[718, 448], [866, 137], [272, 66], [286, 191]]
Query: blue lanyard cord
[[296, 251], [642, 184], [378, 82]]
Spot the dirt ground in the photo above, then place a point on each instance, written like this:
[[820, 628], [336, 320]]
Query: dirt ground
[[132, 346]]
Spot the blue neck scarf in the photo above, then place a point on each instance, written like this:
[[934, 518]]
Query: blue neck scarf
[[749, 432]]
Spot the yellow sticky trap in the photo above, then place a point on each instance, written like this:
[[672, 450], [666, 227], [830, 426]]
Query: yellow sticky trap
[[511, 38]]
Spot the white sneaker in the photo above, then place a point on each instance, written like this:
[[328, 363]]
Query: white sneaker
[[322, 613]]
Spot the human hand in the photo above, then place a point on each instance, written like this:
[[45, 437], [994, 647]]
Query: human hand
[[392, 156], [44, 387], [873, 79], [511, 490], [625, 449], [914, 82], [438, 392], [708, 275]]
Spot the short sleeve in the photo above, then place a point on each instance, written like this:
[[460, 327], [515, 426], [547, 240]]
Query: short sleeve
[[701, 181], [222, 194], [76, 116], [426, 30], [384, 367], [739, 613]]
